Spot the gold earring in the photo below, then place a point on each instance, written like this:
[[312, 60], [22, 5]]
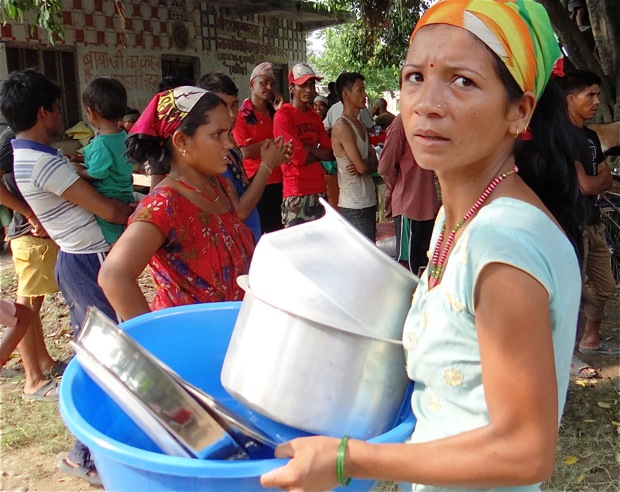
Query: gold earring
[[516, 135], [184, 153]]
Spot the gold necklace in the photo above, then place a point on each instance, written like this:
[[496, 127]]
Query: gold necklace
[[201, 193]]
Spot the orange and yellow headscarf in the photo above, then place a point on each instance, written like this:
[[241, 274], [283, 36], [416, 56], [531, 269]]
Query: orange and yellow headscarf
[[518, 31]]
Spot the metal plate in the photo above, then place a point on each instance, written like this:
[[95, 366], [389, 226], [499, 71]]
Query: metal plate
[[145, 379], [126, 400]]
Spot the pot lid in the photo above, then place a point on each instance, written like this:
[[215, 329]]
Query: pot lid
[[328, 272], [352, 328]]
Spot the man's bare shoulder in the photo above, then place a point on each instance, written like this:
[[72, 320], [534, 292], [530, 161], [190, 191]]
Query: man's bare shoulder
[[342, 129]]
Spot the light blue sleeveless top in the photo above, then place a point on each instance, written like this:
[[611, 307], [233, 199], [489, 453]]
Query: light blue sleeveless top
[[440, 339]]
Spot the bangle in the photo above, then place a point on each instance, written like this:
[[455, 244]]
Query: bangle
[[340, 462], [28, 217], [266, 167]]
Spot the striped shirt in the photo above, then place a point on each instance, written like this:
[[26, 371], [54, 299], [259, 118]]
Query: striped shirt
[[43, 174]]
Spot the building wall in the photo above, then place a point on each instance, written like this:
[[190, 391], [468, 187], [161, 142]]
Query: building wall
[[134, 44]]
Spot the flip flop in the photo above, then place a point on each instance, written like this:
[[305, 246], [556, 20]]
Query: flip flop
[[79, 472], [577, 366], [42, 393], [607, 347], [57, 370]]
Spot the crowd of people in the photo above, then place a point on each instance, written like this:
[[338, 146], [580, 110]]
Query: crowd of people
[[496, 126]]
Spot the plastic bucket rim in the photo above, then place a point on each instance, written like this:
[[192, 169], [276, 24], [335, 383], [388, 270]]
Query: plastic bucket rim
[[160, 463]]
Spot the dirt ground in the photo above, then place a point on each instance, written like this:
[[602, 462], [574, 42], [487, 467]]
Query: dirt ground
[[31, 470], [32, 467]]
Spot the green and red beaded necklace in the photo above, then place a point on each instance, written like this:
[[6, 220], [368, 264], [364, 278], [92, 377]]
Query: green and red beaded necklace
[[440, 255]]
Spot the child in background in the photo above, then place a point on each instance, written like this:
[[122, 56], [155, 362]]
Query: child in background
[[127, 122], [105, 164], [16, 317]]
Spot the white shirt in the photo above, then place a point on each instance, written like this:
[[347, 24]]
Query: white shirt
[[336, 111], [43, 174]]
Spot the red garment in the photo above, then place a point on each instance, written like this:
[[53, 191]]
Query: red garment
[[380, 138], [166, 111], [203, 253], [304, 129], [411, 188], [251, 127]]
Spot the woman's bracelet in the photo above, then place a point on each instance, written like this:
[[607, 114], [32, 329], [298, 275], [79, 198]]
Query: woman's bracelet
[[266, 167], [340, 462]]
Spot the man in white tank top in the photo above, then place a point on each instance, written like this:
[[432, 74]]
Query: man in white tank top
[[355, 156]]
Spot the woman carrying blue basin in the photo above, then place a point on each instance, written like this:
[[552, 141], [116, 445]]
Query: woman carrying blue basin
[[490, 333]]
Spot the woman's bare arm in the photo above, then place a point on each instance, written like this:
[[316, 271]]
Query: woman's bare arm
[[517, 447], [124, 264]]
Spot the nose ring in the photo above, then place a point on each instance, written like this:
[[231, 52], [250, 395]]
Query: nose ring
[[439, 105]]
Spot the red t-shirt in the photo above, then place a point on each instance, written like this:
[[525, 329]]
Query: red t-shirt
[[304, 129], [203, 253], [252, 127]]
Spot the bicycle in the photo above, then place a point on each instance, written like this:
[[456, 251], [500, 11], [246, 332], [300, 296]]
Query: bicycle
[[609, 205]]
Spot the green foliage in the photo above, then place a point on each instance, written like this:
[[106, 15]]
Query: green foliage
[[45, 14], [374, 45], [342, 45], [382, 29]]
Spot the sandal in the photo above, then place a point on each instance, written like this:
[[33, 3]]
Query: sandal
[[581, 369], [57, 370], [606, 347], [47, 392], [80, 472]]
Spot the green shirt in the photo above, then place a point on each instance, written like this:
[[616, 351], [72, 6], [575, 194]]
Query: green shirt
[[106, 163]]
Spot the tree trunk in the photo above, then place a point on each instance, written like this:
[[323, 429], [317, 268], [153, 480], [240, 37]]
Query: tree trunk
[[578, 51], [605, 20]]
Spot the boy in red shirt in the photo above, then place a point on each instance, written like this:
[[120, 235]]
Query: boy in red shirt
[[253, 126], [304, 175]]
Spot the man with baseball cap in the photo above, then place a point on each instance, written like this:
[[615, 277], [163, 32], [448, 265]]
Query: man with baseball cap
[[254, 125], [304, 175]]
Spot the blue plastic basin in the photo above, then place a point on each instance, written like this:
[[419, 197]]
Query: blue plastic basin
[[192, 340]]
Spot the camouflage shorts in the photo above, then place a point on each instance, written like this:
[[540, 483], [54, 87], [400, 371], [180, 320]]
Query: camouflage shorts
[[300, 209]]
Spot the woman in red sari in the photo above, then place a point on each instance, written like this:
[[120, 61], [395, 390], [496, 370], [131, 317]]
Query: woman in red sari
[[186, 229]]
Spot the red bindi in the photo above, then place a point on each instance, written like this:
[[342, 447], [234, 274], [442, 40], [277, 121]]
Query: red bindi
[[432, 65]]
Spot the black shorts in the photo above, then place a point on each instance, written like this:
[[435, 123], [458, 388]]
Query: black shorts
[[270, 208]]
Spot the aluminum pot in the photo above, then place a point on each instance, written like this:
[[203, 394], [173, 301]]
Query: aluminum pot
[[314, 377], [328, 272]]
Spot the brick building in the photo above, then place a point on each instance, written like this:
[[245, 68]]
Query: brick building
[[140, 41]]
